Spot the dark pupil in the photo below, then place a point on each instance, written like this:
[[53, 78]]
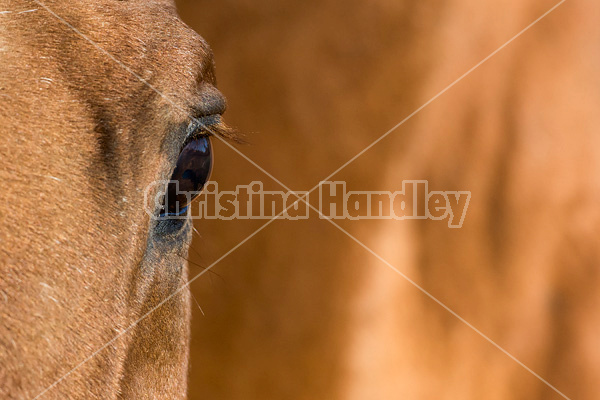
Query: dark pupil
[[192, 171]]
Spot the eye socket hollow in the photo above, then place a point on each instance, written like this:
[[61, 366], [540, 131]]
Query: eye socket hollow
[[191, 173]]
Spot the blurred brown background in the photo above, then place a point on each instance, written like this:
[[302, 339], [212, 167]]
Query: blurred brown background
[[301, 311]]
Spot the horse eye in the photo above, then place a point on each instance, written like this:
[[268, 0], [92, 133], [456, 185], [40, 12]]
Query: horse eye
[[191, 173]]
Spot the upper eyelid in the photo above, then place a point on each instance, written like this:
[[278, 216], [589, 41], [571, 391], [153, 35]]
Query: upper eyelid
[[208, 102]]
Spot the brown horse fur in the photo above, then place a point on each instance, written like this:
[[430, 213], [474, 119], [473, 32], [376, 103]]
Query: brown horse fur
[[81, 138]]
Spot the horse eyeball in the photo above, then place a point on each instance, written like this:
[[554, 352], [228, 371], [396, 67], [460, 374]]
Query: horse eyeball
[[191, 173]]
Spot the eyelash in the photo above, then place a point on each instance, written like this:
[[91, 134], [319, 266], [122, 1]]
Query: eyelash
[[212, 125]]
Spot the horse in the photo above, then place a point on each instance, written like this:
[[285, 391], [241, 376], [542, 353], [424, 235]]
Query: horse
[[98, 100]]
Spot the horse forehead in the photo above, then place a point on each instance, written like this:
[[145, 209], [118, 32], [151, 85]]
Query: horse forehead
[[108, 51], [150, 29], [145, 36]]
